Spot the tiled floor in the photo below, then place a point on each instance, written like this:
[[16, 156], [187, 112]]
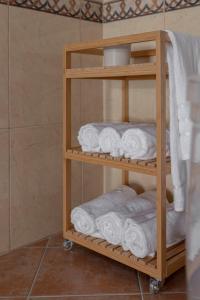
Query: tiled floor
[[44, 270]]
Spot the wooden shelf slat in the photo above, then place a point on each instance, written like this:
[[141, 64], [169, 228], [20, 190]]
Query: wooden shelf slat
[[115, 41], [138, 166], [147, 265], [114, 252], [138, 53], [133, 70]]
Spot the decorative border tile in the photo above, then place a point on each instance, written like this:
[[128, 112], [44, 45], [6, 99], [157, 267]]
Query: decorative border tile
[[180, 4], [126, 9], [97, 11], [91, 10], [69, 8]]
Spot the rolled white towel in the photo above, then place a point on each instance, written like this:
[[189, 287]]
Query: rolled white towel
[[83, 217], [139, 234], [140, 142], [88, 136], [110, 225], [110, 138]]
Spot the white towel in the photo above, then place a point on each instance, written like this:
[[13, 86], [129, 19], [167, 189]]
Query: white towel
[[88, 136], [183, 56], [193, 203], [139, 234], [83, 217], [140, 142], [110, 138], [194, 241], [111, 225]]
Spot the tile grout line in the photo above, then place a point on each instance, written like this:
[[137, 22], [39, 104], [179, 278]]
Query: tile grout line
[[45, 125], [140, 285], [87, 295], [84, 295], [28, 246], [164, 13], [9, 136], [167, 293], [38, 270]]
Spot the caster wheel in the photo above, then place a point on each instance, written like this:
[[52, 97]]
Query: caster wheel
[[67, 245], [155, 286]]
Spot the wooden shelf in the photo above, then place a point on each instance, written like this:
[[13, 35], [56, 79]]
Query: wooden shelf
[[134, 70], [169, 260], [148, 167], [147, 265], [85, 47]]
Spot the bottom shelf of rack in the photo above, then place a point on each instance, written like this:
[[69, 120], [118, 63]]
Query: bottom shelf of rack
[[175, 255]]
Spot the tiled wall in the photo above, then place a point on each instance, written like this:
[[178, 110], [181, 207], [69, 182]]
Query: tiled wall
[[142, 93], [4, 132], [31, 90], [31, 44]]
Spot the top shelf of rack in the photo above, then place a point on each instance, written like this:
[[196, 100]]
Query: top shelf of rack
[[96, 47]]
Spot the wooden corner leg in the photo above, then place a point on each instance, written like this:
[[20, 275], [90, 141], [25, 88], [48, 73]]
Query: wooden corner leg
[[161, 155]]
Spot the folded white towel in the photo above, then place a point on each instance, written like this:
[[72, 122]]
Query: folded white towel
[[88, 136], [139, 234], [110, 225], [140, 142], [83, 217], [183, 56], [110, 138]]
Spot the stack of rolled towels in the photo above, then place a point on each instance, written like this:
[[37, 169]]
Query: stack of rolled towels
[[131, 140], [122, 217]]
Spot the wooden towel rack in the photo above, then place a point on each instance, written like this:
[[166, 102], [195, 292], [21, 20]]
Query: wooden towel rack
[[167, 260]]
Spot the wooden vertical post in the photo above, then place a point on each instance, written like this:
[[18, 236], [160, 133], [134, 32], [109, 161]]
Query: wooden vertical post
[[66, 145], [161, 154], [125, 118]]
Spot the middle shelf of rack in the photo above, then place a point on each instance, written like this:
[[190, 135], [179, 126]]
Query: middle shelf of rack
[[135, 71], [148, 167]]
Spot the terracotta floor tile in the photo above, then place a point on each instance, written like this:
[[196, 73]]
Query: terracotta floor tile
[[56, 240], [175, 283], [80, 272], [17, 270], [106, 297], [178, 296], [13, 298]]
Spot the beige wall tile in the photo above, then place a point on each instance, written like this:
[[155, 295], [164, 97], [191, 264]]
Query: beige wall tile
[[4, 190], [90, 30], [37, 100], [112, 90], [91, 90], [92, 182], [77, 192], [4, 66], [141, 93], [186, 20], [36, 183], [134, 25], [36, 65], [76, 110], [112, 179], [91, 109]]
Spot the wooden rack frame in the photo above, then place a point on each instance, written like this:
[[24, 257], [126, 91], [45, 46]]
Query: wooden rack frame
[[168, 260]]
